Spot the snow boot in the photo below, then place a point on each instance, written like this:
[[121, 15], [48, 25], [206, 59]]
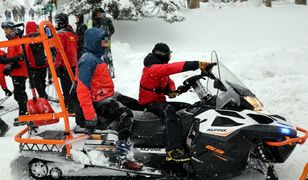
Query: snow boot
[[124, 154], [3, 128], [16, 121], [177, 155]]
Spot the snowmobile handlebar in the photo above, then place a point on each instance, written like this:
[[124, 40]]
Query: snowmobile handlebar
[[188, 83], [298, 140]]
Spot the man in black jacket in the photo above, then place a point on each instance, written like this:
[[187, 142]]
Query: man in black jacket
[[81, 27]]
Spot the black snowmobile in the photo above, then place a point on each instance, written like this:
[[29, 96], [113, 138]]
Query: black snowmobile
[[226, 133]]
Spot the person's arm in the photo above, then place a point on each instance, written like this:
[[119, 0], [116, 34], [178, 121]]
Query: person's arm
[[85, 73], [4, 60]]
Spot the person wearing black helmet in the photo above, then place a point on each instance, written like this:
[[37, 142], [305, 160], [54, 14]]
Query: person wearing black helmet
[[81, 27], [155, 84], [69, 43], [17, 70]]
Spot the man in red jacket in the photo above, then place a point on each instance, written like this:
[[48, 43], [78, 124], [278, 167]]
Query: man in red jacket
[[69, 43], [37, 59], [155, 83], [17, 70]]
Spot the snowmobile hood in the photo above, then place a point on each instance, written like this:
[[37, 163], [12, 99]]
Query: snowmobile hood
[[31, 27], [151, 59], [93, 41]]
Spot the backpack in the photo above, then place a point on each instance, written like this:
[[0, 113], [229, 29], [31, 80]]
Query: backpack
[[38, 54]]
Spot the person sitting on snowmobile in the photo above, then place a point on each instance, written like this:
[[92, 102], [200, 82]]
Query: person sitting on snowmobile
[[155, 83], [97, 98]]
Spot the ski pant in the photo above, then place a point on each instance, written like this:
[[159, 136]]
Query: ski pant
[[167, 112], [66, 84], [20, 94], [39, 79], [111, 115]]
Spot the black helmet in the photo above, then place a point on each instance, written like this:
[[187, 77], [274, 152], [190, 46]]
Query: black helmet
[[61, 21], [7, 24], [162, 52]]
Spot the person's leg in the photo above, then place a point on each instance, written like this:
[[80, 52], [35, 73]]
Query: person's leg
[[174, 140], [39, 78], [66, 84], [20, 95]]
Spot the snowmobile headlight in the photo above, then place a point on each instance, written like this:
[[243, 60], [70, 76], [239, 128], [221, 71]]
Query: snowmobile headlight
[[254, 102], [285, 130]]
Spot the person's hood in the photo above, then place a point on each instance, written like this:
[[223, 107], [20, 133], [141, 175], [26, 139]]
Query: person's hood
[[92, 41], [31, 27], [151, 59]]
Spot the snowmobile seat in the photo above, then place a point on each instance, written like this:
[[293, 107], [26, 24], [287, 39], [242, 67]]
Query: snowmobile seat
[[54, 135], [147, 130]]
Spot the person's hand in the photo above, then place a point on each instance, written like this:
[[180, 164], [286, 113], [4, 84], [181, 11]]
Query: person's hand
[[20, 57], [172, 94], [90, 125], [206, 66], [7, 70], [7, 92]]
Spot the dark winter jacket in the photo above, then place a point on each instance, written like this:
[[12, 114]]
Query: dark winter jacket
[[93, 79], [155, 82], [105, 24], [32, 31], [80, 29], [69, 43], [7, 13]]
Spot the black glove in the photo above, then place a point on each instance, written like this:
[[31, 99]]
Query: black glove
[[90, 125], [15, 65], [18, 58], [7, 70], [7, 92]]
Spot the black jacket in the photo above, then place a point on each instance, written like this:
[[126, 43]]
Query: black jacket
[[80, 29]]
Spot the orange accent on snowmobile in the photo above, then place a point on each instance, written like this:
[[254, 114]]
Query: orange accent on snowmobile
[[211, 148], [48, 42], [299, 140], [304, 175]]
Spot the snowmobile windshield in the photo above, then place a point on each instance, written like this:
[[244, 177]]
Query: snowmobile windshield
[[234, 88]]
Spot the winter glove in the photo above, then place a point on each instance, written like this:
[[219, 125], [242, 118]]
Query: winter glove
[[7, 92], [90, 125], [14, 65], [206, 66], [172, 94], [7, 70], [18, 58]]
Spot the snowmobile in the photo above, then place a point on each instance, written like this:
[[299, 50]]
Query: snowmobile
[[226, 133]]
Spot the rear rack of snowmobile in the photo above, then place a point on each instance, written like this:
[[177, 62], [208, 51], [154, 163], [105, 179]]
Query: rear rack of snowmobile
[[304, 175], [49, 41], [298, 140]]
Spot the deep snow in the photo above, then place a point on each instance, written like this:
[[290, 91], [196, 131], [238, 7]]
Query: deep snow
[[266, 48]]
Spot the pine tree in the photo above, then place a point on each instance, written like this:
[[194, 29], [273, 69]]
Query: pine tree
[[169, 10]]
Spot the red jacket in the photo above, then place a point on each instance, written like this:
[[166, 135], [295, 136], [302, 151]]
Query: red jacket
[[14, 51], [69, 43], [94, 82], [2, 77], [31, 30], [156, 77]]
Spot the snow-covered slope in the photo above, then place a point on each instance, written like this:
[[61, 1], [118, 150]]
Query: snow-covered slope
[[266, 48]]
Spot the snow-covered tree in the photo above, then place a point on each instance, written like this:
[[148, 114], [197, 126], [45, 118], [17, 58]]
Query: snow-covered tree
[[169, 10]]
